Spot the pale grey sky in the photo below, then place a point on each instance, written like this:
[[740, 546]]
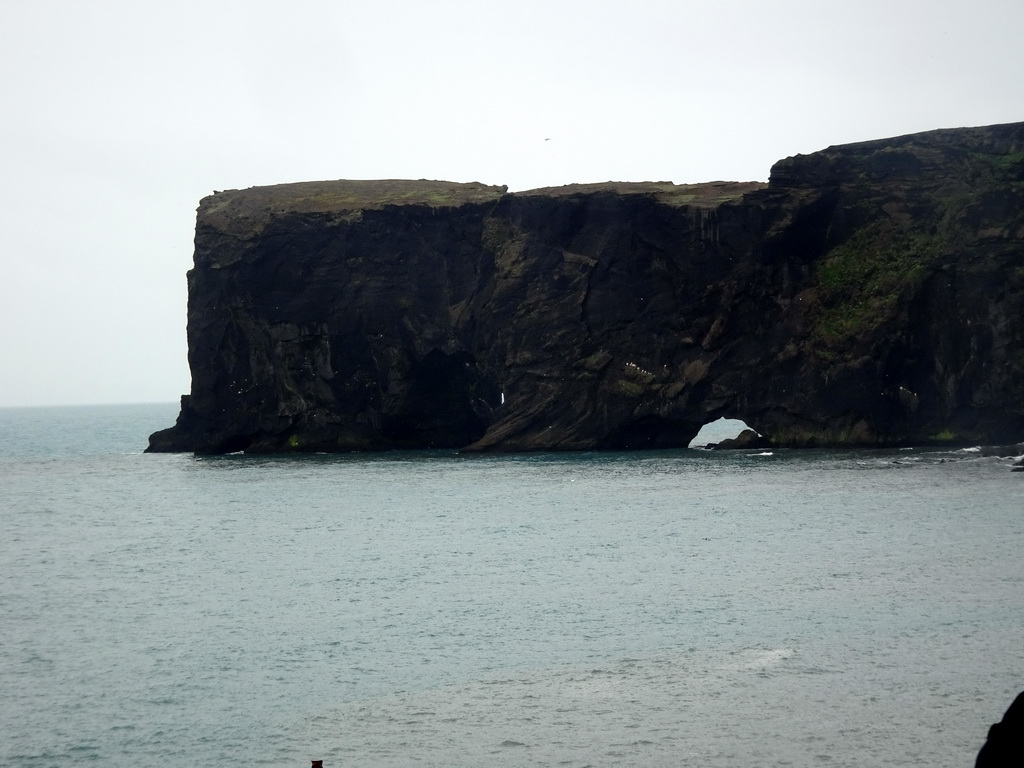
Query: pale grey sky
[[119, 115]]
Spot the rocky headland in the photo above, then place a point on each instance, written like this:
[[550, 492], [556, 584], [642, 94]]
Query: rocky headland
[[870, 294]]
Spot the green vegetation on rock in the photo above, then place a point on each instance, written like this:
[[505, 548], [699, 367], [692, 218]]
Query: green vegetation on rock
[[860, 282]]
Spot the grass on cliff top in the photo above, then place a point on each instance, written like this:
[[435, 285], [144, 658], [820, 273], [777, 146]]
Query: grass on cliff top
[[706, 195], [244, 209], [243, 212], [357, 194]]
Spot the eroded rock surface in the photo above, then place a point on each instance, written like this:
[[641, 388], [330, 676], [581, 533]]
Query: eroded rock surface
[[870, 294]]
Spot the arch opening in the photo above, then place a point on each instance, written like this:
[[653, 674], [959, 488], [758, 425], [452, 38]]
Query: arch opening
[[718, 430]]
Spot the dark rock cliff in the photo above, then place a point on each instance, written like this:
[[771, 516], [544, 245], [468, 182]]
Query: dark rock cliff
[[870, 294]]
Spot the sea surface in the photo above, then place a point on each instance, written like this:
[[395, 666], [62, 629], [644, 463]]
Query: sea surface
[[674, 608]]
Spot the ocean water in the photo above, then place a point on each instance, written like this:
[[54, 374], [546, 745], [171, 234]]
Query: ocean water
[[752, 608]]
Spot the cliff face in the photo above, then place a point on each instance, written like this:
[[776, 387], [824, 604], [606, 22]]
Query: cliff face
[[870, 294]]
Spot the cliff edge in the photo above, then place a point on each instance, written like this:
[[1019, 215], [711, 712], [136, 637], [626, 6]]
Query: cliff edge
[[870, 294]]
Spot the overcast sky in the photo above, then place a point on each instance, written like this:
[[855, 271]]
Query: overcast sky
[[119, 115]]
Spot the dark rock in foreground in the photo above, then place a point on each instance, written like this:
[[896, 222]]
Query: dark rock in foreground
[[1004, 747], [871, 294]]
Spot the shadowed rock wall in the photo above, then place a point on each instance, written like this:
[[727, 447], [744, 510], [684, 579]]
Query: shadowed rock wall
[[870, 294]]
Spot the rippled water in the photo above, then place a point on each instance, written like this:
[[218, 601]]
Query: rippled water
[[674, 608]]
